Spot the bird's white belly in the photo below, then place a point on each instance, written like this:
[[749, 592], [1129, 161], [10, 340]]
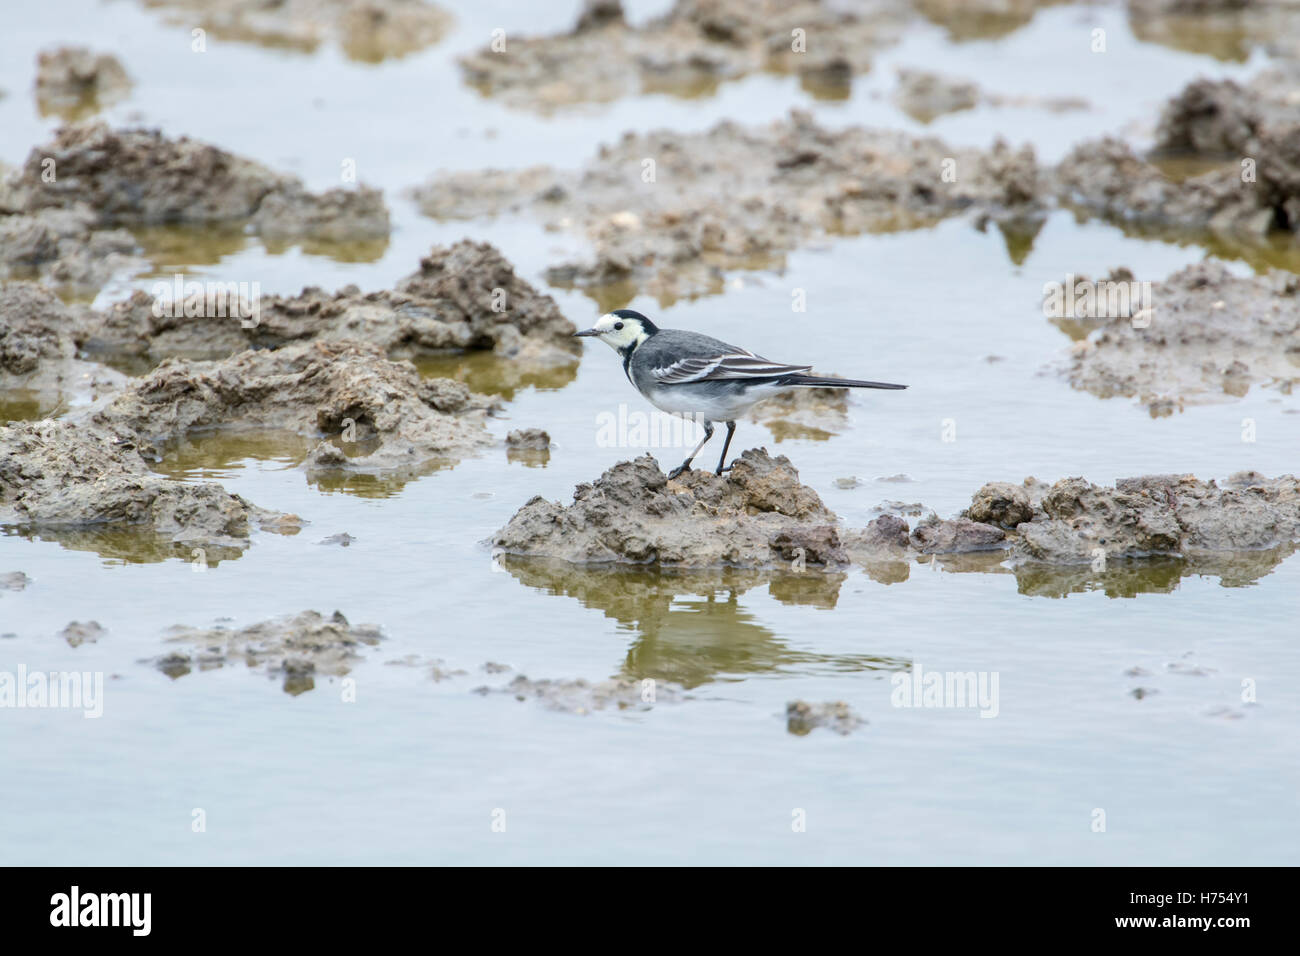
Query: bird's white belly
[[708, 404]]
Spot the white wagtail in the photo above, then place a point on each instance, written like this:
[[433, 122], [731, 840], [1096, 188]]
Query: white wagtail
[[695, 376]]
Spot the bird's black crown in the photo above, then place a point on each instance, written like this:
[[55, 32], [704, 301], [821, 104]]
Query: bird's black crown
[[630, 314]]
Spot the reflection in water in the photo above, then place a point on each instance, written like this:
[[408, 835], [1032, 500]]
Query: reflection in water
[[126, 544], [214, 456], [690, 625], [1222, 37], [1278, 250], [218, 455], [26, 405], [487, 373], [979, 21], [1121, 578], [185, 245]]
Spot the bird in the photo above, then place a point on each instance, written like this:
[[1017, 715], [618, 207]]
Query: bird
[[695, 376]]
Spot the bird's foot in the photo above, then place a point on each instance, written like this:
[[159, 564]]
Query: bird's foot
[[721, 470], [684, 466]]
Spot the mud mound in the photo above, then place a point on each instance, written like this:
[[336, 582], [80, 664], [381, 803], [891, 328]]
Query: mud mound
[[1210, 337], [382, 415], [466, 296], [138, 177], [755, 516], [57, 476]]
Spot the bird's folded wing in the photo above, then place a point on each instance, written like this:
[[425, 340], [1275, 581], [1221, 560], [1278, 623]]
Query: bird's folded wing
[[732, 365]]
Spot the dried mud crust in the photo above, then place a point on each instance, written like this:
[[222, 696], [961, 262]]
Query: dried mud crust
[[367, 30], [464, 296], [736, 197], [381, 415], [59, 477], [1210, 337]]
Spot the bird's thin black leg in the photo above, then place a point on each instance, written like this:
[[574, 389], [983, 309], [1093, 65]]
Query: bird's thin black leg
[[708, 433], [731, 430]]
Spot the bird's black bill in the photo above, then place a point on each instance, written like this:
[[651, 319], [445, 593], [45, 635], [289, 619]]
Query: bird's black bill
[[585, 332]]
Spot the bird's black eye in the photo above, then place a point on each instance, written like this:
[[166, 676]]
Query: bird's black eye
[[618, 326]]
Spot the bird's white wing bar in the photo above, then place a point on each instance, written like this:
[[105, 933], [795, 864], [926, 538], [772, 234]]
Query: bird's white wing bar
[[737, 365]]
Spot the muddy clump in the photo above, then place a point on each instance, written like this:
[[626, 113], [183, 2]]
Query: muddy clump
[[690, 50], [669, 213], [802, 718], [582, 697], [374, 414], [1249, 137], [82, 632], [463, 297], [14, 581], [64, 249], [58, 477], [926, 96], [38, 353], [1209, 337], [366, 30], [140, 177], [297, 649], [757, 515], [1160, 515], [74, 82]]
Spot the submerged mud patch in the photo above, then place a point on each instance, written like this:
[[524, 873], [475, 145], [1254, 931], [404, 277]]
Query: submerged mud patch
[[296, 649]]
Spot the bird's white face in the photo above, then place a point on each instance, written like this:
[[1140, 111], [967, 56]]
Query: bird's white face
[[617, 332]]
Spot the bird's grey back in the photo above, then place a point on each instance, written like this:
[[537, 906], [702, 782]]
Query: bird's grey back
[[668, 345]]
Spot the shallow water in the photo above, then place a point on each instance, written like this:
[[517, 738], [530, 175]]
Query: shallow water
[[413, 771]]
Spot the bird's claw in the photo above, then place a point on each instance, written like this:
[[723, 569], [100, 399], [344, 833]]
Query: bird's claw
[[721, 470], [685, 466]]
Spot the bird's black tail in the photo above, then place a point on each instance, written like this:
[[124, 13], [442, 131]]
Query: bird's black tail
[[825, 382]]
